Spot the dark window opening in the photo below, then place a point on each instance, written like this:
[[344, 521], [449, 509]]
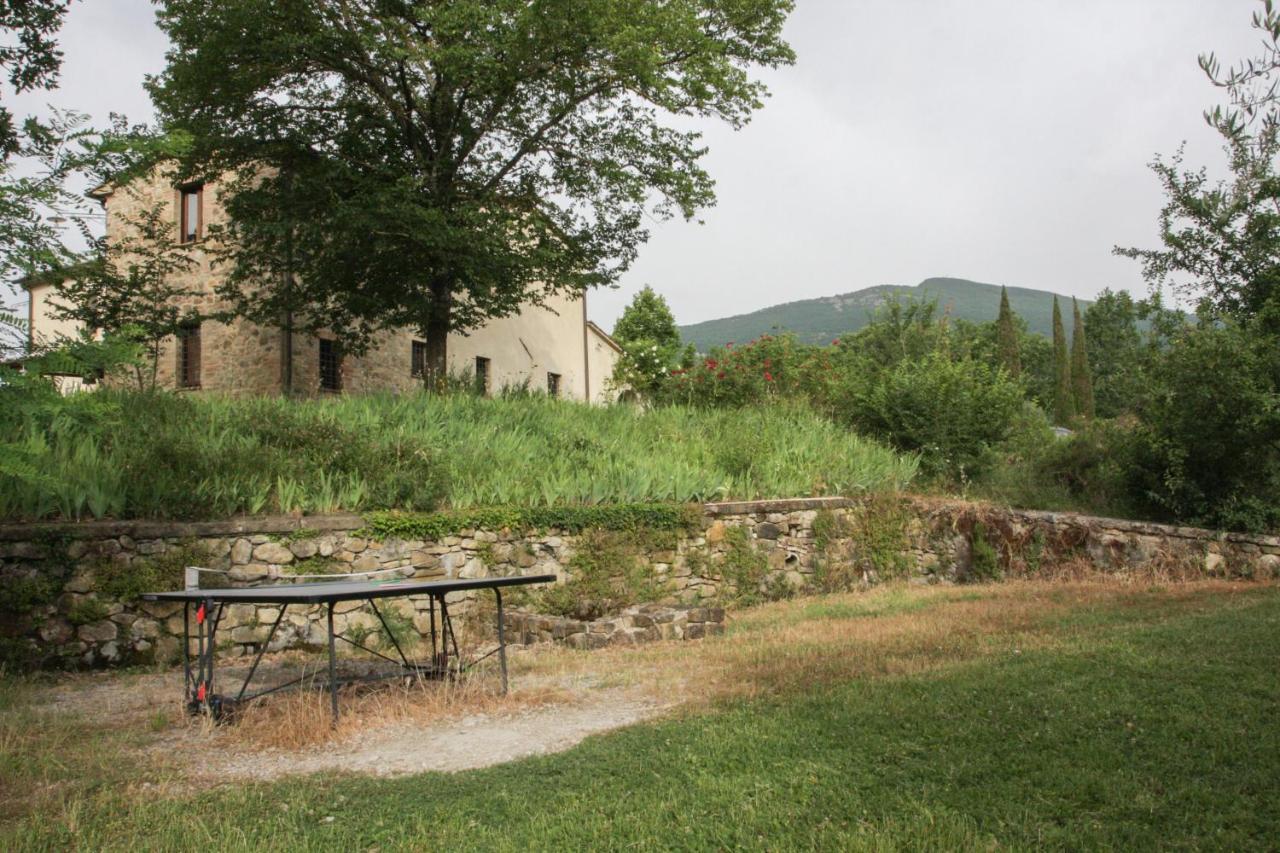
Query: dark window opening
[[190, 213], [553, 384], [482, 374], [189, 356], [418, 359], [330, 365]]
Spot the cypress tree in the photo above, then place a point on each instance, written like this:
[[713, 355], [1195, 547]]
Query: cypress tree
[[1081, 381], [1007, 337], [1063, 410]]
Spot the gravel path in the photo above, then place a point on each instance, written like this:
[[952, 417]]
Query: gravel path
[[473, 741]]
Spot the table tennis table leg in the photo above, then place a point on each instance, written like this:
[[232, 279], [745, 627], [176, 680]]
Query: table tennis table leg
[[333, 670], [502, 641], [186, 649], [211, 651], [435, 659]]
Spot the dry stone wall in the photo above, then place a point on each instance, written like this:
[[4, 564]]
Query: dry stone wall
[[68, 591]]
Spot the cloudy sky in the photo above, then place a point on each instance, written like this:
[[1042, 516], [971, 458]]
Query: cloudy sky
[[999, 140]]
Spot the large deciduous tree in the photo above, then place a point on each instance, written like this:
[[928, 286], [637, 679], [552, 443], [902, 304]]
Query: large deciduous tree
[[435, 164]]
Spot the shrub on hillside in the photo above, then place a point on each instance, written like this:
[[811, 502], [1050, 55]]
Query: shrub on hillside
[[768, 369], [1208, 447], [951, 412], [1086, 471]]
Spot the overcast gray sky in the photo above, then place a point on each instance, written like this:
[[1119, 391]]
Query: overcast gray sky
[[999, 140]]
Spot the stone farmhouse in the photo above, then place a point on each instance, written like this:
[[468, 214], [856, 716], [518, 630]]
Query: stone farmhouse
[[551, 347]]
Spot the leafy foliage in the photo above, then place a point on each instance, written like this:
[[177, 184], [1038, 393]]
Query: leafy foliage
[[743, 568], [29, 56], [126, 581], [1007, 337], [1063, 402], [1208, 446], [515, 148], [606, 574], [133, 287], [569, 519], [951, 412], [1081, 378], [650, 343], [31, 244]]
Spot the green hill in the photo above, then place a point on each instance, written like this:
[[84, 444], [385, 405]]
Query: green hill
[[817, 321]]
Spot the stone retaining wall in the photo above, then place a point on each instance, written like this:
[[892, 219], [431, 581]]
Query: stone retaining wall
[[637, 624], [67, 590]]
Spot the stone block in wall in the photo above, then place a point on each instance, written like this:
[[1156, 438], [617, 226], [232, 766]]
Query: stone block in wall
[[241, 552], [250, 573], [587, 641], [768, 530], [98, 632], [55, 631], [273, 553], [304, 549], [366, 562]]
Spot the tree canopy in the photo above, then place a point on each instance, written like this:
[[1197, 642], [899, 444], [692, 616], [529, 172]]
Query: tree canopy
[[1063, 401], [29, 55], [1007, 336], [433, 165], [650, 342]]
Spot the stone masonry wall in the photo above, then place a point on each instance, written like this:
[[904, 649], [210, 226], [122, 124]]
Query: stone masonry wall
[[67, 591]]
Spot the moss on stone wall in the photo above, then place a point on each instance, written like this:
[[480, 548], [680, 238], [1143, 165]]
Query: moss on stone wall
[[567, 519]]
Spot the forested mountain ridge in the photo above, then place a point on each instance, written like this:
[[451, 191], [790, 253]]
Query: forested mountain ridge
[[819, 320]]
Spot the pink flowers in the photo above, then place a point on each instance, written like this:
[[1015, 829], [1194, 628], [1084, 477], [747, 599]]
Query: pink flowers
[[768, 377]]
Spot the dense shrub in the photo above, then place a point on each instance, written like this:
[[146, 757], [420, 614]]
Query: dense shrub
[[1208, 446], [952, 412], [765, 370]]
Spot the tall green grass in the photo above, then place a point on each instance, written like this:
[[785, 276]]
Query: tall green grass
[[116, 454]]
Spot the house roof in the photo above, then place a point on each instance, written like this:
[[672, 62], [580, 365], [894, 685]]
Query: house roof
[[604, 336]]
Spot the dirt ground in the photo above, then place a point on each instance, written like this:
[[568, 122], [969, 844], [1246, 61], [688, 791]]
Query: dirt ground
[[388, 731]]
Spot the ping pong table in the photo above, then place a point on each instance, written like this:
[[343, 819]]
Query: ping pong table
[[445, 660]]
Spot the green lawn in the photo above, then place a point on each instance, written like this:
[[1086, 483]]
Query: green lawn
[[1141, 724]]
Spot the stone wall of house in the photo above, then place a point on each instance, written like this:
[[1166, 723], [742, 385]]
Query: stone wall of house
[[238, 357], [68, 591]]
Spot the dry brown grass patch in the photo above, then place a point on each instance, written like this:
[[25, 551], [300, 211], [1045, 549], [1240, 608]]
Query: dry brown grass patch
[[810, 643], [301, 719]]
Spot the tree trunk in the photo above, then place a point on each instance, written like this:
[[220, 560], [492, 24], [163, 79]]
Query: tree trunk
[[436, 370]]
